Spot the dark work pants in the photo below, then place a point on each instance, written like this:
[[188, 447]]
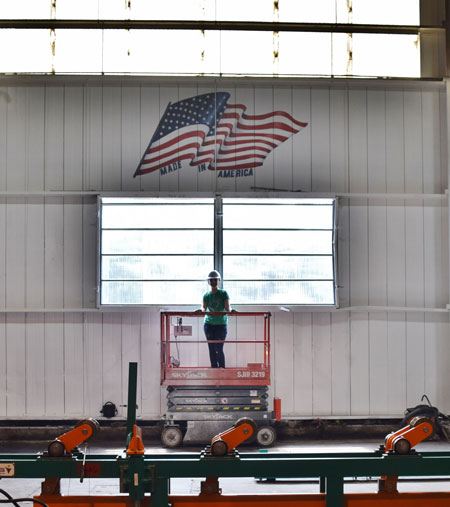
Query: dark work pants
[[216, 332]]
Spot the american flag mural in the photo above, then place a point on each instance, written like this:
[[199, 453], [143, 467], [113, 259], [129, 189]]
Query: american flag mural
[[206, 129]]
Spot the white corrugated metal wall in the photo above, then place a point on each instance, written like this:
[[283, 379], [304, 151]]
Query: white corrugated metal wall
[[364, 138]]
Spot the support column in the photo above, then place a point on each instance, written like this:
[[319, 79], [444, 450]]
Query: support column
[[160, 495], [448, 179], [447, 74], [432, 40], [335, 491]]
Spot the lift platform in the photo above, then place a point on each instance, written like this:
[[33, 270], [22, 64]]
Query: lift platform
[[250, 374], [203, 401]]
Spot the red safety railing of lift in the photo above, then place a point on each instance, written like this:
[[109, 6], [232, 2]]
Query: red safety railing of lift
[[251, 374]]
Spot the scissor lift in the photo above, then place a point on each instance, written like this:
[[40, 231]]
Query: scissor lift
[[202, 401]]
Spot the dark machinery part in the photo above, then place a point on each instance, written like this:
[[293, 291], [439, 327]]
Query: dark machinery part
[[229, 439], [171, 436], [402, 446], [219, 448], [246, 420], [16, 501], [440, 420], [203, 399], [402, 442], [56, 449], [109, 409], [64, 444], [266, 436]]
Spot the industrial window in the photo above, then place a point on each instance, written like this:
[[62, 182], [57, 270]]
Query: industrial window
[[158, 251], [93, 50], [279, 251], [155, 251]]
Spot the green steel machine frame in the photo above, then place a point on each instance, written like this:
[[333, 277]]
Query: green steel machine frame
[[146, 477]]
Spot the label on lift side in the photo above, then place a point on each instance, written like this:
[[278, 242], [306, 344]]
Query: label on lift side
[[251, 374], [182, 330], [6, 469]]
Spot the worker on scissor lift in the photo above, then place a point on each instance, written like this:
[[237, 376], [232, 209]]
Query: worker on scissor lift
[[215, 326]]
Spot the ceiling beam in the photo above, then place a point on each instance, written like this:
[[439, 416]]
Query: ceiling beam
[[210, 25]]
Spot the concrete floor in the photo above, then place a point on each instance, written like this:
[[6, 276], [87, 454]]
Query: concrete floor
[[29, 487]]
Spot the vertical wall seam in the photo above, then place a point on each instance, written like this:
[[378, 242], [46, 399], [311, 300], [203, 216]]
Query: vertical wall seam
[[102, 388], [368, 250], [139, 360], [405, 229], [329, 137], [6, 366], [121, 356], [367, 201], [350, 337], [330, 348], [311, 344], [44, 232], [159, 116], [6, 207], [386, 206], [292, 139], [386, 299], [84, 134], [102, 134], [423, 242], [121, 137], [310, 143]]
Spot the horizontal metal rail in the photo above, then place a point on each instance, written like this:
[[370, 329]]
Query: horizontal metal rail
[[262, 192], [230, 341], [247, 465], [331, 469], [202, 314], [273, 307], [146, 24]]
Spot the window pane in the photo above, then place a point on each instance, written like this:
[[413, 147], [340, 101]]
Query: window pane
[[184, 51], [81, 9], [145, 9], [281, 292], [386, 55], [319, 11], [158, 216], [78, 51], [403, 12], [277, 268], [387, 12], [156, 200], [157, 242], [25, 50], [281, 242], [295, 62], [25, 9], [152, 293], [275, 201], [277, 217], [255, 53], [208, 52], [172, 267]]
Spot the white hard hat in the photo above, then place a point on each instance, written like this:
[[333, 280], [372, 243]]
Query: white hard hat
[[214, 275]]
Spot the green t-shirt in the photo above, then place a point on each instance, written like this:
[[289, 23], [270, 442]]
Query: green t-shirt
[[216, 303]]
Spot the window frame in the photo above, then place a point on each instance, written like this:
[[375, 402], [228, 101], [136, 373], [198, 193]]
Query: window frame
[[218, 246]]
